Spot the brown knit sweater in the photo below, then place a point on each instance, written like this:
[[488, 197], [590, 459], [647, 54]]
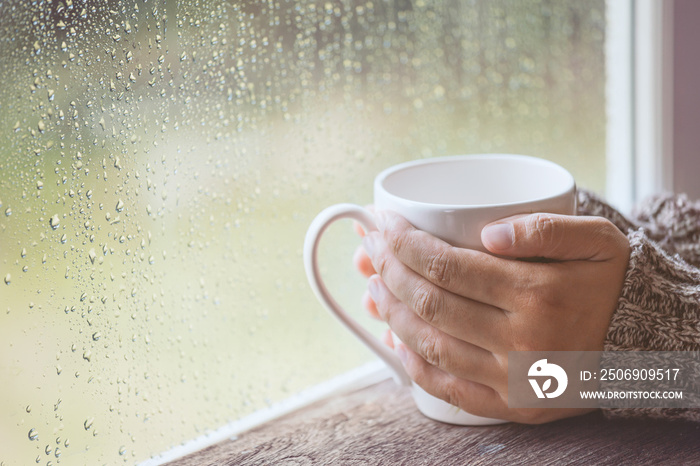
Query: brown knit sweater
[[659, 305]]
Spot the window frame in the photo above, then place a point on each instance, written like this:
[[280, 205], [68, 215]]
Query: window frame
[[639, 100]]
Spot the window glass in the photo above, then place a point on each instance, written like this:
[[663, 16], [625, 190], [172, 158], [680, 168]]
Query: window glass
[[160, 162]]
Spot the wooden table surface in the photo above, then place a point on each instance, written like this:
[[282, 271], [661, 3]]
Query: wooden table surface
[[380, 425]]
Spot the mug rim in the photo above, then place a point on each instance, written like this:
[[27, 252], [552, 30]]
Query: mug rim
[[570, 184]]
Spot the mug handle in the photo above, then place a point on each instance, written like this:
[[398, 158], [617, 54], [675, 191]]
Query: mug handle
[[313, 236]]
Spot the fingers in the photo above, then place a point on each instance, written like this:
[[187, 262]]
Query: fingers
[[450, 354], [360, 259], [388, 339], [356, 225], [470, 396], [363, 263], [358, 229], [368, 303], [471, 274], [475, 398], [558, 237], [463, 318]]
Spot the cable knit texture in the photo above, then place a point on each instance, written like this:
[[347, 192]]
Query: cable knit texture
[[659, 305]]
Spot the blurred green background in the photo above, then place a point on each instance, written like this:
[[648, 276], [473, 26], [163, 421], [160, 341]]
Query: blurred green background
[[160, 162]]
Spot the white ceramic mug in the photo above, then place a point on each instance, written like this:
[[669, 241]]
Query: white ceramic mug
[[452, 198]]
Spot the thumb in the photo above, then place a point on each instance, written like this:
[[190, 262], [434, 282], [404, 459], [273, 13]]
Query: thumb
[[557, 237]]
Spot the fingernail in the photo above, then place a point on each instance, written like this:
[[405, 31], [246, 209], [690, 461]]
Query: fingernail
[[374, 290], [402, 354], [380, 219], [499, 236], [369, 242]]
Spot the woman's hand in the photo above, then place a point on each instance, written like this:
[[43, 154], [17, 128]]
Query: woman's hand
[[459, 312]]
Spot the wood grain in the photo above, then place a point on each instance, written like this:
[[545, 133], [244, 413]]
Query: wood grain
[[380, 425]]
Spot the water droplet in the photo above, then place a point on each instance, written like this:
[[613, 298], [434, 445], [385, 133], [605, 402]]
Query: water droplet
[[23, 253], [33, 434], [54, 221], [122, 450], [87, 354], [89, 193], [28, 408], [8, 279], [92, 255], [120, 206], [8, 212], [96, 336], [42, 126], [39, 185], [88, 423]]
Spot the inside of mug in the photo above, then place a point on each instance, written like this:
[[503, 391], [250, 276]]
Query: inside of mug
[[483, 180]]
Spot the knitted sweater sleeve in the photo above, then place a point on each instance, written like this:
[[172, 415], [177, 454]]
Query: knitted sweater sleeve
[[659, 304]]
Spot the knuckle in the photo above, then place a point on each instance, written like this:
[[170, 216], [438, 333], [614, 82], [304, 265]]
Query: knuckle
[[385, 254], [541, 294], [604, 225], [451, 393], [381, 262], [426, 301], [430, 349], [447, 390], [541, 298], [399, 241], [608, 234], [439, 268], [543, 228]]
